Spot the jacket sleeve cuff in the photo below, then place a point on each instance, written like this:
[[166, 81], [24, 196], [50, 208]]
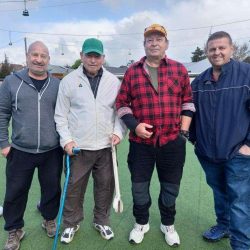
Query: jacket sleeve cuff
[[130, 121], [65, 142]]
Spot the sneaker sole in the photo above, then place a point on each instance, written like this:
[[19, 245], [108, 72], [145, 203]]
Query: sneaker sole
[[22, 235], [171, 245], [134, 243], [105, 238], [67, 241], [215, 240]]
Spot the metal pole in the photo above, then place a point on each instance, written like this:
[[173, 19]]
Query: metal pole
[[25, 45]]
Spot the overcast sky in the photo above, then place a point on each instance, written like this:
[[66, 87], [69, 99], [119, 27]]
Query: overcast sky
[[63, 25]]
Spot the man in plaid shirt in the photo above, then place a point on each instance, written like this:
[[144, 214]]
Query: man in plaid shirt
[[155, 102]]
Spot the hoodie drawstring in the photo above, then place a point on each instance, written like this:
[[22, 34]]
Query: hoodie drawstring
[[17, 94]]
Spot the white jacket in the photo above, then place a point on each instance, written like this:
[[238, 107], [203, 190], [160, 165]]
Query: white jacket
[[83, 119]]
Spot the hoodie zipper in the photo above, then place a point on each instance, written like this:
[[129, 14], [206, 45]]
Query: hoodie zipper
[[39, 97], [38, 123]]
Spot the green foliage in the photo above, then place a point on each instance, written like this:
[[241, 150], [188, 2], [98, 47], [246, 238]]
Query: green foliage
[[6, 68], [76, 64], [247, 59], [198, 55], [241, 52]]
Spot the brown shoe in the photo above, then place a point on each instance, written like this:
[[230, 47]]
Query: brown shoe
[[50, 227], [14, 238]]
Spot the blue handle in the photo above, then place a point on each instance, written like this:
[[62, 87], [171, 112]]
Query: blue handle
[[75, 152]]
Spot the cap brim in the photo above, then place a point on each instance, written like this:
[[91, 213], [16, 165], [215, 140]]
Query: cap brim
[[93, 51], [148, 32]]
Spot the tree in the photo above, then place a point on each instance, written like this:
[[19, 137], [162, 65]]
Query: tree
[[247, 59], [76, 64], [198, 55], [6, 68], [130, 62], [241, 52]]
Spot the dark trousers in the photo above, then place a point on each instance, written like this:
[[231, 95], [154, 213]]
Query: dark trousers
[[19, 174], [169, 160], [99, 164]]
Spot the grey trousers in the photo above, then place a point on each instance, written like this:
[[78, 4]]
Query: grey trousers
[[99, 163]]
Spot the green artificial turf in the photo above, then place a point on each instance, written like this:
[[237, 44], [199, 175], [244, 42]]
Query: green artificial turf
[[194, 214]]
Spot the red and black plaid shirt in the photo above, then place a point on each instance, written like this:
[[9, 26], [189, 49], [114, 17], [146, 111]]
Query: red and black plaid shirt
[[161, 108]]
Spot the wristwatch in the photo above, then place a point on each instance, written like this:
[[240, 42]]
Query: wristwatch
[[185, 134]]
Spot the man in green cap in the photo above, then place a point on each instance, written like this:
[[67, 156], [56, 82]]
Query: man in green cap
[[86, 118]]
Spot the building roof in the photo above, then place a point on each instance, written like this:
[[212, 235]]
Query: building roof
[[118, 71], [55, 69], [195, 68]]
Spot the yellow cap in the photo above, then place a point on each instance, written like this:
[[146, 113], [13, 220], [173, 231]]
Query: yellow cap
[[155, 28]]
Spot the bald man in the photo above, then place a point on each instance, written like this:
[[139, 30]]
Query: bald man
[[28, 97]]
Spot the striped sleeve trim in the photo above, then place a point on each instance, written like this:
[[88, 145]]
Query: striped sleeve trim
[[188, 106], [124, 111]]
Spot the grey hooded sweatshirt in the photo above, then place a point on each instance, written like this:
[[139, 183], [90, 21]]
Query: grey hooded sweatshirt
[[32, 113]]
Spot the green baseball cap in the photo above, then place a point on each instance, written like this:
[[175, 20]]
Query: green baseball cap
[[92, 45]]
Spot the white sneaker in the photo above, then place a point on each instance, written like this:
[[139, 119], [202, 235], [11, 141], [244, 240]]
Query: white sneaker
[[171, 236], [68, 234], [137, 233], [1, 210], [105, 231]]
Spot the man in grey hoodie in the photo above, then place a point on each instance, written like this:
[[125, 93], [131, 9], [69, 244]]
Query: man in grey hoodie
[[28, 97]]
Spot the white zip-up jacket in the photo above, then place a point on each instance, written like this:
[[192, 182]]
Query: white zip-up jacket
[[88, 121]]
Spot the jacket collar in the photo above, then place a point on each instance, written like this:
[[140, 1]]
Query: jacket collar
[[209, 72], [80, 71], [24, 75]]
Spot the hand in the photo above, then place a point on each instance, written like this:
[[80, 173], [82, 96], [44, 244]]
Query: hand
[[69, 146], [244, 150], [141, 130], [115, 139], [5, 151]]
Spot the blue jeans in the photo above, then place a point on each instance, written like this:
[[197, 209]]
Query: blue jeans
[[230, 182]]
